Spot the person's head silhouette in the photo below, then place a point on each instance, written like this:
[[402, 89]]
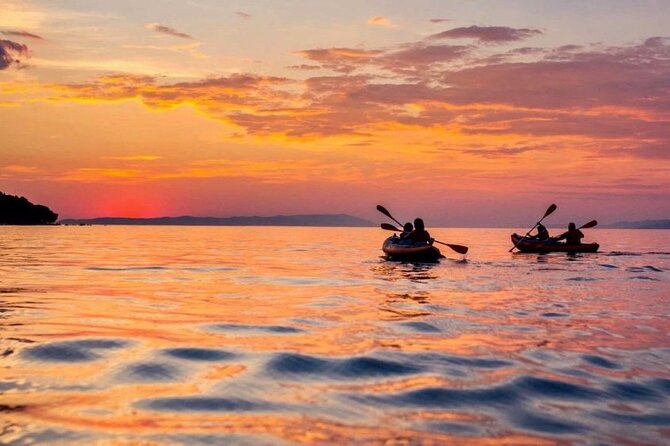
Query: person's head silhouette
[[418, 224]]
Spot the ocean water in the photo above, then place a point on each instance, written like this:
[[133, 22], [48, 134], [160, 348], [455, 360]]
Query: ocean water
[[267, 335]]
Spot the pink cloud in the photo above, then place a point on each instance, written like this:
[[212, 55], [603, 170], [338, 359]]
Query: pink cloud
[[340, 59], [493, 34], [420, 55], [629, 76]]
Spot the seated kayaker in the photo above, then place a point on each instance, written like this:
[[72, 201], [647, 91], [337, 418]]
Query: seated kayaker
[[406, 230], [542, 233], [419, 234], [572, 236]]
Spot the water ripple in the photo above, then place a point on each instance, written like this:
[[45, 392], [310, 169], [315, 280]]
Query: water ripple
[[205, 404], [601, 362], [149, 372], [291, 364], [83, 350], [117, 335], [199, 354], [244, 328]]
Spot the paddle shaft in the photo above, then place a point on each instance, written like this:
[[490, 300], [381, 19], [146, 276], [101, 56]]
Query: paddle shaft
[[550, 209]]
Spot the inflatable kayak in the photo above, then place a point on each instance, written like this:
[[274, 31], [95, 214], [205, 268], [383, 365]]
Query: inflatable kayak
[[530, 244], [396, 248]]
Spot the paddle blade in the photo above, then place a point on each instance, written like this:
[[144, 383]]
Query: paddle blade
[[550, 210], [390, 227], [458, 248], [383, 210], [590, 224]]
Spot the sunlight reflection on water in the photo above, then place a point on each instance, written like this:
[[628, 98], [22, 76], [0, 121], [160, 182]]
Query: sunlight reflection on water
[[198, 335]]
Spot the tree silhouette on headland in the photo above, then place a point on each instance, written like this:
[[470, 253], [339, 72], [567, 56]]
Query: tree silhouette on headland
[[19, 211]]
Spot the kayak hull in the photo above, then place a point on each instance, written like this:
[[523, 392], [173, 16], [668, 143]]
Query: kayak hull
[[541, 247], [395, 250]]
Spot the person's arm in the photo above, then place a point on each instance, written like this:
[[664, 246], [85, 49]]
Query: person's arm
[[560, 237]]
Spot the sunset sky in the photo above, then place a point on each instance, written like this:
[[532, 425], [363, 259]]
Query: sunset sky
[[464, 112]]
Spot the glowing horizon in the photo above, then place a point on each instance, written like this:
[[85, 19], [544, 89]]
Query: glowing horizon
[[467, 114]]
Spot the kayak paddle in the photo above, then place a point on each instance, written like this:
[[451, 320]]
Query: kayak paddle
[[550, 210], [590, 224], [383, 210], [458, 248]]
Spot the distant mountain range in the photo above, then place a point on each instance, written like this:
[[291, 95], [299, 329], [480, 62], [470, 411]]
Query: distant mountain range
[[642, 224], [277, 220]]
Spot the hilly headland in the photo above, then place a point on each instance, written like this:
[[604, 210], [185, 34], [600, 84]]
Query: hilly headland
[[15, 210]]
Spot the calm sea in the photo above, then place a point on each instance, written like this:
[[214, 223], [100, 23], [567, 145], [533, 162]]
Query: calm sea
[[267, 335]]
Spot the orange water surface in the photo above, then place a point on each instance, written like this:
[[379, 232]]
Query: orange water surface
[[271, 335]]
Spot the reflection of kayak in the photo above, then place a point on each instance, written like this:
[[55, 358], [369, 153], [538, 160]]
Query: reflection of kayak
[[396, 248], [530, 244]]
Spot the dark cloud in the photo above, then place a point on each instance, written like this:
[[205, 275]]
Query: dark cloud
[[488, 33], [244, 15], [440, 20], [167, 30], [12, 54], [23, 34]]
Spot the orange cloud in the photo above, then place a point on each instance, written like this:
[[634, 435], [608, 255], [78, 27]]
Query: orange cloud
[[96, 175], [615, 95], [134, 158], [264, 171], [380, 21], [17, 169]]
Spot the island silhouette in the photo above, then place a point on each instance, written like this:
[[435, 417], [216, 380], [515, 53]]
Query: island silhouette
[[16, 210], [341, 220]]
